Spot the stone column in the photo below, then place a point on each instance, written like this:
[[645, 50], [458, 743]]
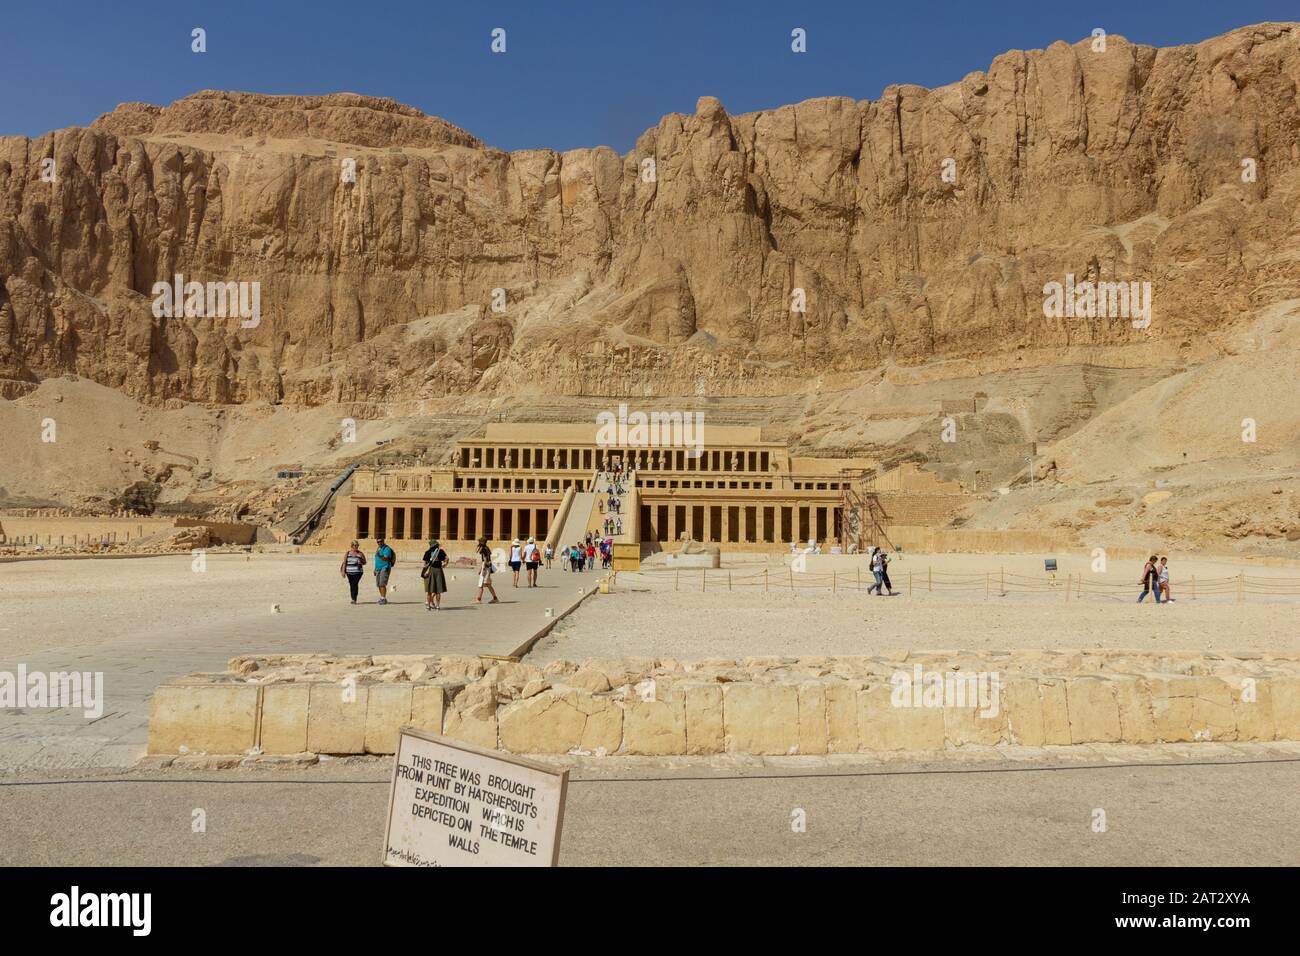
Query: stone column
[[725, 534]]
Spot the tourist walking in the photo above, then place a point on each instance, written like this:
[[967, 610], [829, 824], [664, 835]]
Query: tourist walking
[[516, 559], [550, 553], [591, 556], [1163, 579], [1150, 580], [884, 571], [352, 568], [435, 578], [878, 572], [532, 558], [385, 559], [485, 570]]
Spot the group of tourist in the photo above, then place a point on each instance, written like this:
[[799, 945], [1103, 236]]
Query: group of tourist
[[1155, 580], [526, 556], [612, 506], [582, 555]]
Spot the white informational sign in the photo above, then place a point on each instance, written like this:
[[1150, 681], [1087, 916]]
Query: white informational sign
[[454, 804]]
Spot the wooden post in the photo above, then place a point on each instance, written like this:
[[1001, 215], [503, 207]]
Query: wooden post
[[986, 585], [909, 583], [832, 582], [1002, 581], [859, 579], [677, 581], [1241, 588], [704, 578], [765, 580], [1193, 587], [792, 578], [728, 580], [929, 578]]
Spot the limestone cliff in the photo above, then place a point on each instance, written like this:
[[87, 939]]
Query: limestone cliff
[[677, 277]]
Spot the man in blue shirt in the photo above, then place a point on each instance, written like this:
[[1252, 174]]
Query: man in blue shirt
[[385, 558]]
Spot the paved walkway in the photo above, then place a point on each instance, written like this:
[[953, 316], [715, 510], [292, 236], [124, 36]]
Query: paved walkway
[[675, 812], [178, 621]]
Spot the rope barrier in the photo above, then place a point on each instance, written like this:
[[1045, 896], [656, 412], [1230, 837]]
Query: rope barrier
[[1005, 583]]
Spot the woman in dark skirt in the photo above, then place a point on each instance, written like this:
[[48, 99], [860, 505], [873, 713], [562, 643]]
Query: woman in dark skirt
[[435, 579]]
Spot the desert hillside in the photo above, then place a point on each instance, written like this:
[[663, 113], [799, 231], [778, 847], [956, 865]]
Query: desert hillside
[[447, 283]]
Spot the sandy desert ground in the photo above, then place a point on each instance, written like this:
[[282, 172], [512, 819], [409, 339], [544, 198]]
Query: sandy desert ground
[[96, 602], [659, 614]]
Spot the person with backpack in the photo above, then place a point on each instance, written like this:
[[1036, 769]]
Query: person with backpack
[[352, 568], [884, 572], [485, 570], [532, 558], [435, 578], [385, 558], [1150, 580], [878, 572]]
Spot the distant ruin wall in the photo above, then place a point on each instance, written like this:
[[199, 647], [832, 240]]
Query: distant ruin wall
[[930, 540], [222, 532], [759, 706]]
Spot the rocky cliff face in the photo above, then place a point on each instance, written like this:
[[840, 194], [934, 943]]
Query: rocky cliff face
[[919, 226]]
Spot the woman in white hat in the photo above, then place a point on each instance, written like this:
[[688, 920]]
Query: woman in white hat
[[532, 558], [516, 559]]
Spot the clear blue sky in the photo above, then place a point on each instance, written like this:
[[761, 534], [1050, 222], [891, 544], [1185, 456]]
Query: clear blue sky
[[575, 72]]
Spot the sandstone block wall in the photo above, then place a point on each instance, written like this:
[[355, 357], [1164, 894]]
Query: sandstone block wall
[[772, 706], [931, 540]]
